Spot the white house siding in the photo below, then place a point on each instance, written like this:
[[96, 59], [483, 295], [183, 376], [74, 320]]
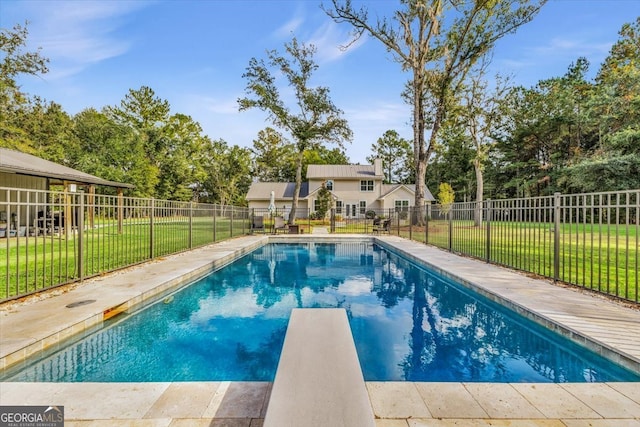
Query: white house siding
[[402, 193], [348, 192], [283, 207]]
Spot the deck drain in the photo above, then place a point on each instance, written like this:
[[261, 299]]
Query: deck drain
[[79, 303]]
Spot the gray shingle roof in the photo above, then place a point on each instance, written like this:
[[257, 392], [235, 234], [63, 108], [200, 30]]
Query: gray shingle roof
[[282, 190], [12, 161]]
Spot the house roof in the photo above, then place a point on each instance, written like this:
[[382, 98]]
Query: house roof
[[387, 189], [12, 161], [341, 171], [281, 190]]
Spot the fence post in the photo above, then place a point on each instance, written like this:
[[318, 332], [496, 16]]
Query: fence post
[[412, 214], [332, 221], [231, 222], [556, 235], [451, 228], [190, 225], [151, 242], [488, 215], [427, 213], [215, 212], [80, 256]]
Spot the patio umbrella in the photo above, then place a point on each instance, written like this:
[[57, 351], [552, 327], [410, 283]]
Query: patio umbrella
[[272, 203]]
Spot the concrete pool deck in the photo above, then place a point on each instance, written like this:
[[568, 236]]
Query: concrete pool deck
[[603, 325]]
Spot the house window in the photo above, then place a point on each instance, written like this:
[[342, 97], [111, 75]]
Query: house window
[[329, 185], [402, 205], [338, 207], [315, 205], [366, 185], [363, 207]]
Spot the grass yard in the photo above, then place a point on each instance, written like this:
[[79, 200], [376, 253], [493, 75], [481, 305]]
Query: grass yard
[[598, 257], [34, 263], [603, 258]]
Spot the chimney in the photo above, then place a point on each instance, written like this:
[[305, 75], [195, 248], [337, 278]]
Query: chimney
[[377, 167]]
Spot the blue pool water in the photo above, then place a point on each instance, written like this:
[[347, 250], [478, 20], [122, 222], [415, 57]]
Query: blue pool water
[[408, 324]]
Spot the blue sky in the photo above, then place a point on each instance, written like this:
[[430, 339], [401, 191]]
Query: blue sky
[[193, 54]]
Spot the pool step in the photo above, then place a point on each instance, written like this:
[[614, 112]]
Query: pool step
[[319, 381]]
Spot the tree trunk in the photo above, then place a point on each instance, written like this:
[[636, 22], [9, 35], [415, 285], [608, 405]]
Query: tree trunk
[[418, 145], [477, 165], [296, 191]]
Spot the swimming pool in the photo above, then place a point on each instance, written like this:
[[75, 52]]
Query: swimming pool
[[408, 324]]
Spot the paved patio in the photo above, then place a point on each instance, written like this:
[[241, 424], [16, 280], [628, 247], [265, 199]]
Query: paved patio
[[603, 325]]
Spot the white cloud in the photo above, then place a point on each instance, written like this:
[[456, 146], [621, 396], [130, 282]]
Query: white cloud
[[289, 27], [330, 40], [76, 34], [214, 105], [575, 47], [380, 112]]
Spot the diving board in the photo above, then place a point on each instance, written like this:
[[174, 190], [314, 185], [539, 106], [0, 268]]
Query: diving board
[[319, 381]]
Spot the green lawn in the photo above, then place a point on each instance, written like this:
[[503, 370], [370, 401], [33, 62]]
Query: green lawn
[[602, 258], [33, 263], [599, 257]]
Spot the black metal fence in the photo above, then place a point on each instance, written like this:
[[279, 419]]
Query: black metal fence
[[588, 240], [53, 238]]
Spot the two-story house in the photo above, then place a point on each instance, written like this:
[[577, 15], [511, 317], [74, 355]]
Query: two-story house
[[356, 189]]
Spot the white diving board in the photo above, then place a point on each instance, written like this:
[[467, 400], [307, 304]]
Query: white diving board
[[319, 381]]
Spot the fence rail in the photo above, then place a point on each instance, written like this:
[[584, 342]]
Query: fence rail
[[53, 238], [588, 240]]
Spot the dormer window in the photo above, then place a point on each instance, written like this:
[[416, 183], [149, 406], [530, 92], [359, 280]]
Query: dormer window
[[366, 185], [329, 185]]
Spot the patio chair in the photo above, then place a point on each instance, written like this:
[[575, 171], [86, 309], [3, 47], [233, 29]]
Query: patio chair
[[280, 225], [258, 224], [381, 227]]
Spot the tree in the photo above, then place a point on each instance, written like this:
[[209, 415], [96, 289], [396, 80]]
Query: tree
[[14, 61], [41, 128], [181, 168], [323, 202], [480, 116], [147, 115], [317, 119], [452, 162], [446, 197], [109, 150], [546, 128], [438, 41], [229, 173], [274, 157], [616, 104], [397, 157]]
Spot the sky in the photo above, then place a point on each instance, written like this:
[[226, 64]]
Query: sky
[[193, 53]]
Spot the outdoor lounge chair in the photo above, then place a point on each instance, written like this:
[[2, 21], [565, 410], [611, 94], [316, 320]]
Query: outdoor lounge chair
[[258, 224], [279, 225], [381, 226]]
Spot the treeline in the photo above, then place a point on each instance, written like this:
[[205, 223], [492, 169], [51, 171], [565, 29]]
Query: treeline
[[568, 134], [140, 141]]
